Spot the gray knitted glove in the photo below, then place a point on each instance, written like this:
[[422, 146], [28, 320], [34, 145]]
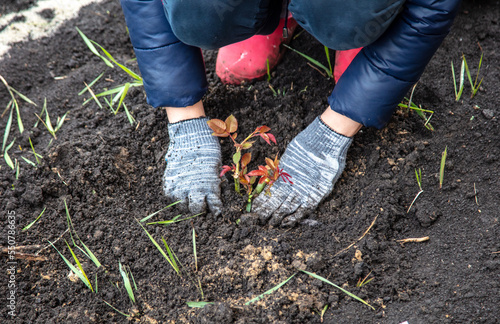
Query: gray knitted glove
[[315, 159], [193, 164]]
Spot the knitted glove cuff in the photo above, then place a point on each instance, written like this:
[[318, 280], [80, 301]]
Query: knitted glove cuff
[[191, 131], [321, 138]]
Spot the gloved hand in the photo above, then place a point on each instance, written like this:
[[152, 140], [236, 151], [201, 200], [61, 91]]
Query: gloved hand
[[193, 165], [315, 159]]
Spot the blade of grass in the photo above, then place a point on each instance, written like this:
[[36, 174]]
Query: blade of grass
[[340, 288], [92, 48], [126, 283], [156, 212], [80, 266], [28, 100], [72, 267], [194, 250], [310, 59], [60, 121], [87, 87], [174, 220], [171, 258], [327, 52], [28, 161], [6, 155], [7, 127], [33, 149], [93, 95], [126, 315], [122, 97], [123, 67], [89, 253], [132, 276], [27, 227], [198, 304], [131, 118], [269, 291], [159, 247], [441, 168]]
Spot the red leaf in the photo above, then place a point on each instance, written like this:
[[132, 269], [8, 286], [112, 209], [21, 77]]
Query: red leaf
[[256, 173], [263, 129], [265, 137], [225, 169], [245, 159], [272, 138]]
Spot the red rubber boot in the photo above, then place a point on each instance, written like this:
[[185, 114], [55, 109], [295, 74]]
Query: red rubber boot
[[247, 60], [342, 61]]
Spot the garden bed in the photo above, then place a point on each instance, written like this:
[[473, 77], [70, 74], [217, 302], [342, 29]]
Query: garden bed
[[109, 173]]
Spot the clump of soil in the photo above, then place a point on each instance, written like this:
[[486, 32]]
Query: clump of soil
[[109, 173]]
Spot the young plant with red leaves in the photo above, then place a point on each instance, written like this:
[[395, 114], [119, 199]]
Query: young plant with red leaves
[[268, 174]]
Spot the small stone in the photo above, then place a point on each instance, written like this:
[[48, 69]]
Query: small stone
[[488, 113]]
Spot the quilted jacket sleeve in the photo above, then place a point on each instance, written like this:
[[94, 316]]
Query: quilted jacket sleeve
[[173, 72], [384, 71]]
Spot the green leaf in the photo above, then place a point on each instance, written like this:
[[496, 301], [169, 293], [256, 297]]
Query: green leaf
[[341, 289], [27, 227], [199, 304], [156, 212], [270, 290], [313, 61], [80, 267], [6, 155], [88, 42], [88, 86], [28, 161], [173, 220], [7, 127], [237, 157], [126, 282], [73, 268]]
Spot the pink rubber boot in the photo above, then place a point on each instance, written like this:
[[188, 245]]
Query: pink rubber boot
[[342, 61], [247, 60]]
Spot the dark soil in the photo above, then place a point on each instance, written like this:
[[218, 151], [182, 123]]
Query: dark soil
[[110, 172]]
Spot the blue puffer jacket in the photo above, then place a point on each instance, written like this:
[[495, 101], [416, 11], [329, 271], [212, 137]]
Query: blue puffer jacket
[[368, 91]]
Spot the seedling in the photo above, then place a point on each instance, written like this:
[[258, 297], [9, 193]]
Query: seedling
[[34, 153], [194, 250], [13, 104], [27, 227], [48, 124], [363, 281], [340, 288], [420, 112], [475, 86], [268, 174], [6, 155], [460, 89], [169, 255], [441, 168], [126, 282], [328, 71], [270, 291], [157, 212], [118, 94], [322, 312], [418, 175]]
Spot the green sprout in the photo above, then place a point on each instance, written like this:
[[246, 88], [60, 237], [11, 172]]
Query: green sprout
[[418, 176], [126, 282], [270, 291], [441, 168], [475, 86], [48, 124], [460, 88], [117, 94], [268, 71], [27, 227], [363, 281], [340, 288], [420, 112], [328, 71]]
